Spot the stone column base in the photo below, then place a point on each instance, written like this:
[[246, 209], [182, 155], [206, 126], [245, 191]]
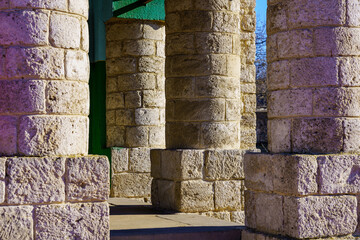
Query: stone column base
[[302, 196], [131, 173], [54, 198], [210, 182]]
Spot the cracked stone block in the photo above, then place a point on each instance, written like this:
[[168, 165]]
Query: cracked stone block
[[16, 223]]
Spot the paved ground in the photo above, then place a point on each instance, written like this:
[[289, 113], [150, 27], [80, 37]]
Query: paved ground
[[131, 219]]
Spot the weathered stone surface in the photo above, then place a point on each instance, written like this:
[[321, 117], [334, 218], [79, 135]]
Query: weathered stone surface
[[38, 63], [77, 65], [278, 75], [80, 7], [139, 160], [137, 136], [224, 135], [24, 27], [61, 35], [133, 99], [84, 36], [35, 180], [351, 133], [8, 135], [115, 136], [320, 216], [53, 135], [348, 66], [142, 47], [67, 98], [2, 168], [224, 164], [131, 185], [147, 116], [163, 194], [155, 157], [72, 221], [157, 136], [295, 44], [87, 178], [119, 160], [2, 191], [182, 164], [115, 100], [238, 217], [258, 171], [228, 195], [279, 137], [46, 4], [194, 196], [16, 223]]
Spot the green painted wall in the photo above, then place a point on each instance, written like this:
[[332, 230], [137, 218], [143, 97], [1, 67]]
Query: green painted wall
[[154, 10]]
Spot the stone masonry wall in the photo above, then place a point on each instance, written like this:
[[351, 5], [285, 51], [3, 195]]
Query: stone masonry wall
[[49, 187], [135, 107]]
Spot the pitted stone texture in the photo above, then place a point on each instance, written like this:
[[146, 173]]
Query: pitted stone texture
[[21, 96], [45, 4], [163, 194], [8, 135], [320, 216], [182, 164], [53, 135], [71, 98], [77, 65], [288, 174], [339, 174], [228, 195], [85, 36], [16, 223], [131, 185], [87, 178], [72, 221], [238, 217], [139, 160], [43, 63], [2, 168], [80, 7], [35, 180], [119, 160], [24, 27], [61, 34], [224, 164]]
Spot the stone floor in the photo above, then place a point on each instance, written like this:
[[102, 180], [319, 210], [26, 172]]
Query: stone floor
[[133, 220]]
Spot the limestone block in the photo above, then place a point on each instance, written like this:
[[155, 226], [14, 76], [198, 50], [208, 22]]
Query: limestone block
[[277, 20], [16, 222], [220, 135], [139, 160], [72, 221], [174, 6], [67, 98], [125, 117], [249, 103], [160, 49], [319, 71], [212, 5], [233, 110], [84, 36], [147, 116], [2, 63], [226, 22], [348, 66], [87, 178], [142, 47], [137, 81], [317, 135], [35, 180], [206, 43], [155, 158], [259, 172], [190, 21], [122, 65], [337, 102], [46, 4], [272, 51], [248, 23], [153, 98], [238, 217], [17, 27], [296, 102], [295, 44], [2, 168], [131, 185], [2, 191], [8, 135], [182, 164], [31, 99], [319, 216], [182, 135], [180, 43], [123, 30], [353, 11], [247, 73], [154, 31], [194, 65], [279, 132], [115, 136], [223, 165], [339, 174], [194, 196], [163, 194], [77, 66], [137, 136], [38, 63], [133, 99], [61, 35], [227, 195], [217, 87], [151, 64], [53, 135], [157, 136], [351, 133], [80, 7], [115, 100], [278, 75], [4, 4], [250, 208], [302, 13], [119, 160]]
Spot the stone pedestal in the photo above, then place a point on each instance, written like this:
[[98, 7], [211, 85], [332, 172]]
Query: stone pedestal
[[135, 106]]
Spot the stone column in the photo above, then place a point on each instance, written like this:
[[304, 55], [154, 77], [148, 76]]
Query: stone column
[[44, 107], [135, 105], [313, 110], [203, 111]]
